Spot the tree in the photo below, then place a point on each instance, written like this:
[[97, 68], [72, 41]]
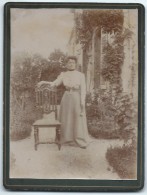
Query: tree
[[56, 64], [57, 57], [24, 77], [27, 71]]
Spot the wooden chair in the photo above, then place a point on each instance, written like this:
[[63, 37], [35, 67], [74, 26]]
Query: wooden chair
[[46, 99]]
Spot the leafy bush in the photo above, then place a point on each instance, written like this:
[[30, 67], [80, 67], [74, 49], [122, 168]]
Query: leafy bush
[[22, 118], [24, 76], [53, 68], [111, 116], [113, 61], [100, 116], [113, 58], [21, 132], [26, 72], [123, 160], [126, 116]]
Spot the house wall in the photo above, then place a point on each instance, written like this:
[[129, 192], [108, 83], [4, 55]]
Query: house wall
[[91, 59], [130, 67]]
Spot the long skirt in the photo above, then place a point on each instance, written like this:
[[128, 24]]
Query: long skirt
[[73, 125]]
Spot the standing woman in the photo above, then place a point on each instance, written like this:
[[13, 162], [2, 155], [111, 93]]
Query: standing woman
[[72, 110]]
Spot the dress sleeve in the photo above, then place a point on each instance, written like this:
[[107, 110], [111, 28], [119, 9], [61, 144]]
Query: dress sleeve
[[58, 81], [83, 89]]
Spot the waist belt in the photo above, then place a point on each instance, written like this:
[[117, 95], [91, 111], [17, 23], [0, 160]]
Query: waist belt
[[72, 89]]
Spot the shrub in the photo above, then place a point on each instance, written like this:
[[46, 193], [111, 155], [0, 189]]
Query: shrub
[[100, 116], [22, 117], [22, 132], [123, 160], [26, 73], [126, 116], [111, 117]]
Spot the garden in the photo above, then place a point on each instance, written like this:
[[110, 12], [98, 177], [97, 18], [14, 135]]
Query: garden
[[111, 114], [27, 71]]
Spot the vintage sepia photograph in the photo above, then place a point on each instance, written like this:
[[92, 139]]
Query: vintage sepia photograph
[[73, 93]]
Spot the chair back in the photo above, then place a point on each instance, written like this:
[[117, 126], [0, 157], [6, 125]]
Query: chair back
[[46, 99]]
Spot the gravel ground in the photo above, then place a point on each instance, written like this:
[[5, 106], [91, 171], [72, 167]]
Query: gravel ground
[[70, 162]]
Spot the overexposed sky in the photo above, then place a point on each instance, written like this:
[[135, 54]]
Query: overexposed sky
[[40, 30]]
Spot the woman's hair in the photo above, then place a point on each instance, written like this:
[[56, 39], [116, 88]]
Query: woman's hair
[[72, 58]]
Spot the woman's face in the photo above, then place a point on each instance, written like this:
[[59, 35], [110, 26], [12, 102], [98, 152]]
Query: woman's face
[[71, 64]]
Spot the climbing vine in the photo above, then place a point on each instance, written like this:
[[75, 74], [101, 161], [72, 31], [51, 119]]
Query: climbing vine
[[109, 20], [114, 58]]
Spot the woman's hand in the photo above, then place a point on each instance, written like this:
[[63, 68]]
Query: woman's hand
[[41, 83], [44, 82]]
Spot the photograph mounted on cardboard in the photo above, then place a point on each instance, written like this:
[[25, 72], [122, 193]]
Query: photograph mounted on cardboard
[[74, 92]]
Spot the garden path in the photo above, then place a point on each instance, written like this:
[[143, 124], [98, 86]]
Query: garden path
[[70, 162]]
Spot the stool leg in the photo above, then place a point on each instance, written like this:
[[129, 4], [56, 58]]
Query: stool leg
[[36, 137], [58, 135]]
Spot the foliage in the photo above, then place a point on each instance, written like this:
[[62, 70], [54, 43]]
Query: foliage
[[57, 57], [114, 58], [126, 117], [111, 116], [123, 160], [24, 76], [22, 117], [26, 72], [108, 20], [92, 105], [113, 61], [55, 65], [100, 116]]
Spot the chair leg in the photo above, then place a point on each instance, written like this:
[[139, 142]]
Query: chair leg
[[36, 137], [58, 135]]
